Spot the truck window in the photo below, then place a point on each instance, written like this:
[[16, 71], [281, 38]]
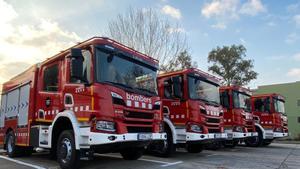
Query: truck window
[[262, 104], [86, 71], [224, 98], [168, 88], [51, 78]]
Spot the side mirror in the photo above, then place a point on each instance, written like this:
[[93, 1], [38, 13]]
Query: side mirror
[[177, 87], [76, 64]]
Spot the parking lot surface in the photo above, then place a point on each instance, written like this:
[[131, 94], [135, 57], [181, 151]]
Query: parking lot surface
[[274, 156]]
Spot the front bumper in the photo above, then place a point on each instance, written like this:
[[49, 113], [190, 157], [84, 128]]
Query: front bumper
[[251, 134], [202, 137], [235, 135], [104, 138], [279, 134]]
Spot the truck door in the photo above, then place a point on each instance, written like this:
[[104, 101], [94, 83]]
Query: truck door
[[262, 108], [175, 104], [49, 94]]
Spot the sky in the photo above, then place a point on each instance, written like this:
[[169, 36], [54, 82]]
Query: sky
[[33, 30]]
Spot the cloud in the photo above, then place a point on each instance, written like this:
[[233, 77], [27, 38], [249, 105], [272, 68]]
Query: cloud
[[297, 56], [224, 11], [220, 26], [291, 38], [220, 8], [296, 19], [28, 43], [294, 72], [252, 7], [171, 11]]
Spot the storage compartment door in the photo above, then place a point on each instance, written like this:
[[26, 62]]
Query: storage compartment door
[[24, 105]]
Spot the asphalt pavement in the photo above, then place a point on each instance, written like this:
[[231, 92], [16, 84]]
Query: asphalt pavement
[[275, 156]]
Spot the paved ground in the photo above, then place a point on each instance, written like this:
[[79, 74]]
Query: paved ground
[[274, 156]]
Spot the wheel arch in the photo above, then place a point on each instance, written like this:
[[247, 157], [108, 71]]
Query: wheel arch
[[258, 126], [169, 124], [65, 120]]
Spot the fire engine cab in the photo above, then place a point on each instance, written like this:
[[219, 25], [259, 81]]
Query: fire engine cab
[[192, 112], [270, 118], [98, 96], [238, 117]]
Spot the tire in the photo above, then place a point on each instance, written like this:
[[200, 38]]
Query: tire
[[132, 153], [214, 145], [267, 142], [27, 151], [255, 141], [230, 144], [53, 153], [11, 148], [67, 155], [165, 148], [194, 148]]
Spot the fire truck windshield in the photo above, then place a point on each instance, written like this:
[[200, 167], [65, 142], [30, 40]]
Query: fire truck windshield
[[118, 69], [279, 106], [203, 90], [241, 100]]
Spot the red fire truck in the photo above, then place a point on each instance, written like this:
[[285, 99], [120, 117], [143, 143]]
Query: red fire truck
[[98, 96], [238, 117], [192, 111], [270, 117]]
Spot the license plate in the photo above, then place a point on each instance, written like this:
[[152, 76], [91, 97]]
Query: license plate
[[229, 135], [217, 135], [144, 136]]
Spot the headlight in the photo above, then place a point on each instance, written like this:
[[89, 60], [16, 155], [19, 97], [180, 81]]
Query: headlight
[[117, 99], [196, 128], [106, 126], [157, 105], [256, 119], [202, 109]]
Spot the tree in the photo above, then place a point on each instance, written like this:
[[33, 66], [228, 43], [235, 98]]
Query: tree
[[182, 61], [146, 31], [231, 65]]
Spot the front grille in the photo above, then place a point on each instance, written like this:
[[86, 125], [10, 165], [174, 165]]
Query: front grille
[[213, 120], [138, 115], [131, 129]]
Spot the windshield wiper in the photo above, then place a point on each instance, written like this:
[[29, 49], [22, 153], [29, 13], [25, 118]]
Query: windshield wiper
[[214, 103], [119, 84], [209, 102], [145, 90]]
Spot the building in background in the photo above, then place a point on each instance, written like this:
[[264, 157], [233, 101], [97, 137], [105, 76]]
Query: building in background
[[291, 92]]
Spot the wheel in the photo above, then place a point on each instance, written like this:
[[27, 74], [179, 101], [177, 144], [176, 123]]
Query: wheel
[[194, 148], [215, 145], [27, 151], [230, 144], [132, 153], [53, 153], [67, 155], [255, 141], [165, 148], [11, 148], [267, 142]]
